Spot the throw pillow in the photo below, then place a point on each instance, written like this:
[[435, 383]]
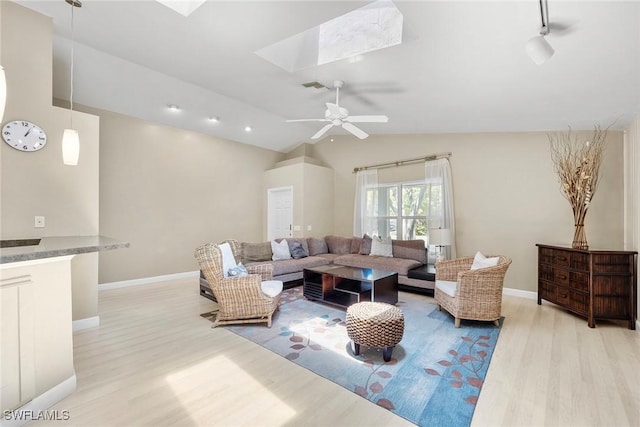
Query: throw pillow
[[280, 250], [238, 270], [228, 260], [365, 247], [381, 247], [317, 246], [297, 251], [298, 242], [481, 261]]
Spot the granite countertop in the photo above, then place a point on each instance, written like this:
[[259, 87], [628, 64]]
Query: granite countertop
[[50, 247]]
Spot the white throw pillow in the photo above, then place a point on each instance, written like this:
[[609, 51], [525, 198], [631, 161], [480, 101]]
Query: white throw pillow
[[481, 261], [381, 247], [228, 261], [280, 250]]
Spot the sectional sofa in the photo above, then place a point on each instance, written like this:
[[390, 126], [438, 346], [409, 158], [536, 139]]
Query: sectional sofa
[[347, 251]]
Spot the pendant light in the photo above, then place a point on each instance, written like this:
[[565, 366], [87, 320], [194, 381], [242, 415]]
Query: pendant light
[[3, 92], [538, 48], [70, 137]]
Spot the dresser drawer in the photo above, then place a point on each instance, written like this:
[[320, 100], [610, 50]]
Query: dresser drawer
[[561, 277], [579, 302], [563, 296], [579, 281], [612, 263], [547, 290], [555, 257]]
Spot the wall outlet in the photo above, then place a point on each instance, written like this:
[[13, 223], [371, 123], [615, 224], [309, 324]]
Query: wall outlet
[[296, 228], [39, 222], [309, 228]]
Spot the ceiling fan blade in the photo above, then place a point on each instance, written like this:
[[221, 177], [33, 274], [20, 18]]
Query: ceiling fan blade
[[322, 131], [333, 109], [355, 130], [308, 120], [367, 119]]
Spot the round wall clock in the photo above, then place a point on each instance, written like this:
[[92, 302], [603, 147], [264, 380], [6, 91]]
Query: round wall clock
[[24, 136]]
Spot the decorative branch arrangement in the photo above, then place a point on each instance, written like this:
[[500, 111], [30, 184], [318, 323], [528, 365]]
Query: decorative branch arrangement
[[577, 163]]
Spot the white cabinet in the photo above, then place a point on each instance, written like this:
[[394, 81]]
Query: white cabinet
[[17, 337]]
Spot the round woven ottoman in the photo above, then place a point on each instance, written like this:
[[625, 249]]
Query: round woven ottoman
[[375, 324]]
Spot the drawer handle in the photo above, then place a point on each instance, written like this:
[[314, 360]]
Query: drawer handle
[[563, 277], [562, 258]]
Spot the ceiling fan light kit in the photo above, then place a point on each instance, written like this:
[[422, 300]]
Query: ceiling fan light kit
[[339, 117], [538, 48]]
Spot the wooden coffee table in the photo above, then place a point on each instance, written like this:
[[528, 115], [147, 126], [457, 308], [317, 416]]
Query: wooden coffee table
[[344, 286]]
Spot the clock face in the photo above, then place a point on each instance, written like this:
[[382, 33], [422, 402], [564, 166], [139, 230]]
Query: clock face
[[24, 136]]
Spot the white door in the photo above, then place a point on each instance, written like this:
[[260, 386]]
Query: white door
[[280, 212]]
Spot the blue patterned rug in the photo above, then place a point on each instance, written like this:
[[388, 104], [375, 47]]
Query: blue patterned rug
[[435, 374]]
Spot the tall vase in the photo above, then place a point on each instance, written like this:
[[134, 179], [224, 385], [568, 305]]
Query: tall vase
[[579, 237]]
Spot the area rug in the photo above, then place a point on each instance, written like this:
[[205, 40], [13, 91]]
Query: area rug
[[435, 374]]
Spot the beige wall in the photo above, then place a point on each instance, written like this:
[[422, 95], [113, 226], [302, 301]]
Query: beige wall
[[312, 196], [38, 183], [506, 192], [167, 190]]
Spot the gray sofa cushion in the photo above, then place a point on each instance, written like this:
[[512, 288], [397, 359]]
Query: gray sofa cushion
[[301, 240], [400, 265], [411, 249], [329, 257], [253, 252], [294, 265], [317, 246], [356, 244], [338, 245]]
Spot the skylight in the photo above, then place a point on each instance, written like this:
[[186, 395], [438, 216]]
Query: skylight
[[183, 7], [375, 26]]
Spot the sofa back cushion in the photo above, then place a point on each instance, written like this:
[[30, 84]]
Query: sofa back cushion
[[356, 244], [317, 246], [253, 252], [338, 245], [409, 249]]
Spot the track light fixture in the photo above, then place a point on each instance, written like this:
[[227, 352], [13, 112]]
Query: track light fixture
[[538, 49]]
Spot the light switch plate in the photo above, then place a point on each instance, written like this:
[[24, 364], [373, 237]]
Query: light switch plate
[[39, 222]]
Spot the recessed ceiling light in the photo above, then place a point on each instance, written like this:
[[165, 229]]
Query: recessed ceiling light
[[214, 119], [173, 107], [331, 140], [247, 128]]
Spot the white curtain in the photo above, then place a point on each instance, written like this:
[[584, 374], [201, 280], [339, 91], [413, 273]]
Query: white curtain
[[441, 215], [362, 220]]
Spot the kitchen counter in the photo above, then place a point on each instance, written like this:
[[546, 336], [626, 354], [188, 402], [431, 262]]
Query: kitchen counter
[[50, 247]]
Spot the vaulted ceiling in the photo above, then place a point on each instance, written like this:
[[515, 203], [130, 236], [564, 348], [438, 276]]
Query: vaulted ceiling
[[461, 67]]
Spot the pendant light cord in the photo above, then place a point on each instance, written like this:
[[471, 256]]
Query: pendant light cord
[[72, 60]]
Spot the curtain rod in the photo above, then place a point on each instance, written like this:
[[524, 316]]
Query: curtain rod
[[403, 162]]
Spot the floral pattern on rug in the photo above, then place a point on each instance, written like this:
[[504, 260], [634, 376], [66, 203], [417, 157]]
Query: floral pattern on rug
[[433, 378]]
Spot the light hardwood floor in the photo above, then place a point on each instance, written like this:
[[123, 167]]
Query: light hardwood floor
[[154, 361]]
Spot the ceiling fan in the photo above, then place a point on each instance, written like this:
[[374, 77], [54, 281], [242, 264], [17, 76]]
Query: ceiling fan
[[339, 116]]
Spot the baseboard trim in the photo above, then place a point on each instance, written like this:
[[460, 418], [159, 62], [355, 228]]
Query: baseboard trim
[[40, 405], [147, 280], [520, 293], [86, 323]]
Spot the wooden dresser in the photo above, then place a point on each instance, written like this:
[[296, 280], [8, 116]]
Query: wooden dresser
[[593, 284]]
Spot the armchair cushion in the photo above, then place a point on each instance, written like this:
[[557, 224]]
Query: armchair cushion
[[271, 288], [238, 270], [481, 261], [447, 286]]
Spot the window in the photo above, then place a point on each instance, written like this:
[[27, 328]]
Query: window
[[400, 210]]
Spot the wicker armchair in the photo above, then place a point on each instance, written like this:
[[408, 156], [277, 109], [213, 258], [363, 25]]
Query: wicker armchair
[[240, 299], [478, 293]]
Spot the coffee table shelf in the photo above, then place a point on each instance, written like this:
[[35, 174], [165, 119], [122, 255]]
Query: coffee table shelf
[[344, 286]]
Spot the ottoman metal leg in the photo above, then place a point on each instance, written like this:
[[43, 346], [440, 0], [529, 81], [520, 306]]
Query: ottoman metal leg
[[356, 348], [386, 353]]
